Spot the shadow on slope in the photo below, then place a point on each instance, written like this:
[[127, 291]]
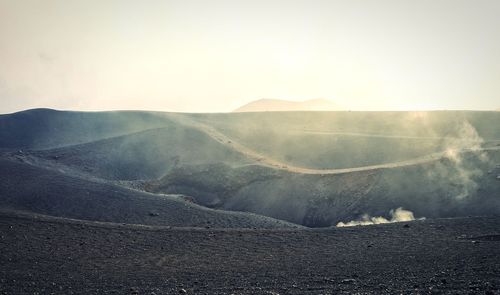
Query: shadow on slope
[[27, 188], [437, 189], [197, 165], [46, 128], [144, 155]]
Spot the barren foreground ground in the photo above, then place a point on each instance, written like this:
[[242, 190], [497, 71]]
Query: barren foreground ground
[[51, 255]]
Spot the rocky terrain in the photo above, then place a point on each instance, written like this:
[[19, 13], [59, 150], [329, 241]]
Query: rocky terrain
[[46, 255], [247, 203], [436, 164], [33, 189]]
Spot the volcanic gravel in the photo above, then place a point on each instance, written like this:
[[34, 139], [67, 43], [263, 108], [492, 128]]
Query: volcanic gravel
[[45, 255]]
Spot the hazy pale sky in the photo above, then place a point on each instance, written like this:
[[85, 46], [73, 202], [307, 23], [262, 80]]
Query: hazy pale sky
[[207, 56]]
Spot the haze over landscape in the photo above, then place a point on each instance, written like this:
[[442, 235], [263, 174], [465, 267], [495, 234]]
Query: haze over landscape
[[199, 56], [249, 147]]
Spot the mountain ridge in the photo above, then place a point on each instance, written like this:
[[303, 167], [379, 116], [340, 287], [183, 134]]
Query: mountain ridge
[[281, 105]]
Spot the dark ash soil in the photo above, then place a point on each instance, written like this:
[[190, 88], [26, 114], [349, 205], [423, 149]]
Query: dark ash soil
[[46, 255]]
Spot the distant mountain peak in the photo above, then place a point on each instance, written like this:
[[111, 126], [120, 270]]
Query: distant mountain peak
[[281, 105]]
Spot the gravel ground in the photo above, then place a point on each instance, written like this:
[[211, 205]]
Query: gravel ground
[[48, 255]]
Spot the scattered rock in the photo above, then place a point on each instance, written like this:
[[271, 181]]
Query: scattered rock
[[154, 214], [188, 199], [487, 238], [348, 281], [182, 291]]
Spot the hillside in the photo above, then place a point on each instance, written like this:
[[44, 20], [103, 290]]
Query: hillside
[[279, 105], [33, 189], [147, 154], [313, 169], [441, 188], [326, 140], [46, 128]]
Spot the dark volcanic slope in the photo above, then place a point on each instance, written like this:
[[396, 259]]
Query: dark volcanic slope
[[184, 156], [147, 154], [29, 188], [464, 186], [46, 128], [456, 256]]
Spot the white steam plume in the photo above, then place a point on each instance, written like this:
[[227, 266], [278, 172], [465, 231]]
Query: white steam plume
[[463, 177], [398, 215]]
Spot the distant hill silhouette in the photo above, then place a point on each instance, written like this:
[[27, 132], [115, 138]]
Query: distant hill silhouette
[[279, 105]]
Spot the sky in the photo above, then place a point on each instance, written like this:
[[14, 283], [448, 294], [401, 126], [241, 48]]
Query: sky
[[214, 56]]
